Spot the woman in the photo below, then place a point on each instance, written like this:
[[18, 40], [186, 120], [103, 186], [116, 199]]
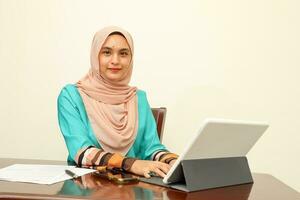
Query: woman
[[107, 122]]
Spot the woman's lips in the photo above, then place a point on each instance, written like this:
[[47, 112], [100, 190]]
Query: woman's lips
[[114, 69]]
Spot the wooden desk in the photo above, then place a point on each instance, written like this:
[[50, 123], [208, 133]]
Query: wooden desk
[[265, 187]]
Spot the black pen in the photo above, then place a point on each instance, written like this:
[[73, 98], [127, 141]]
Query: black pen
[[72, 174]]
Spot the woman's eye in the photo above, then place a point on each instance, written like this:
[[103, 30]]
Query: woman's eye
[[124, 53], [106, 52]]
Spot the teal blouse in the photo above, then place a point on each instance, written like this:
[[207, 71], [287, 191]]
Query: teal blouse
[[78, 133]]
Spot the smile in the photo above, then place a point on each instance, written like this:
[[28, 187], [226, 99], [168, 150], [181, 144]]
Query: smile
[[115, 69]]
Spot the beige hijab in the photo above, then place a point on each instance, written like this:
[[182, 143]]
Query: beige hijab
[[111, 106]]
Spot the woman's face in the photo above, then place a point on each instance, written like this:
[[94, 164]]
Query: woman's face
[[114, 58]]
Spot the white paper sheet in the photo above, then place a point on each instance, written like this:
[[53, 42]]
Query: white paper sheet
[[41, 174]]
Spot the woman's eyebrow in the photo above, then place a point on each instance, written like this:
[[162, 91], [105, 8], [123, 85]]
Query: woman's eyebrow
[[124, 49], [109, 48]]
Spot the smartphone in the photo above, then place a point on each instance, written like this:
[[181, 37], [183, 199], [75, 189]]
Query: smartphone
[[119, 178]]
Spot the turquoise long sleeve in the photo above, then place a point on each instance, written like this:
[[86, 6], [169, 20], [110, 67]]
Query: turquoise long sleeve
[[78, 133]]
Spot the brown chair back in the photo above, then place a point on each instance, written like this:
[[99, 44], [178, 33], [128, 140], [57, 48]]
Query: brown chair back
[[159, 115]]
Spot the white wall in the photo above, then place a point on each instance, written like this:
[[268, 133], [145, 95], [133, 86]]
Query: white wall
[[231, 59]]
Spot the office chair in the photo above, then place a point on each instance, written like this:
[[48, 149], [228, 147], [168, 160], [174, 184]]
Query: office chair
[[159, 115]]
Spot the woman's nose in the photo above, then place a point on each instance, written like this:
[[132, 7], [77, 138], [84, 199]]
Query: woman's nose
[[115, 59]]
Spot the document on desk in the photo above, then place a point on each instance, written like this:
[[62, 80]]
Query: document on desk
[[41, 174]]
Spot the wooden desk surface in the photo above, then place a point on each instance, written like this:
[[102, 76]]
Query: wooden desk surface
[[265, 187]]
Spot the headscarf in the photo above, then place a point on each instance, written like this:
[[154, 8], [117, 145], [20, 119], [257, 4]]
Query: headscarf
[[111, 106]]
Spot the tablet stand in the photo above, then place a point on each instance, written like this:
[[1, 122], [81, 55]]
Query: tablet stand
[[209, 173]]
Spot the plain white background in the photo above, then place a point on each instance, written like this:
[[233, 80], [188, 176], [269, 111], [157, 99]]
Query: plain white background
[[231, 59]]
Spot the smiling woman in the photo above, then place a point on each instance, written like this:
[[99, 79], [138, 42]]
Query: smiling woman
[[106, 122]]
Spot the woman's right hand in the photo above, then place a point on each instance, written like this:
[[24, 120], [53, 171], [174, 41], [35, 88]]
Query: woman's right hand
[[144, 167]]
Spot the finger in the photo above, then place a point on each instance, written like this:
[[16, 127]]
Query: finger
[[159, 172], [164, 167], [146, 174], [172, 162], [161, 164]]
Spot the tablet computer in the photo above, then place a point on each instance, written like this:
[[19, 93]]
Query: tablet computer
[[218, 138]]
